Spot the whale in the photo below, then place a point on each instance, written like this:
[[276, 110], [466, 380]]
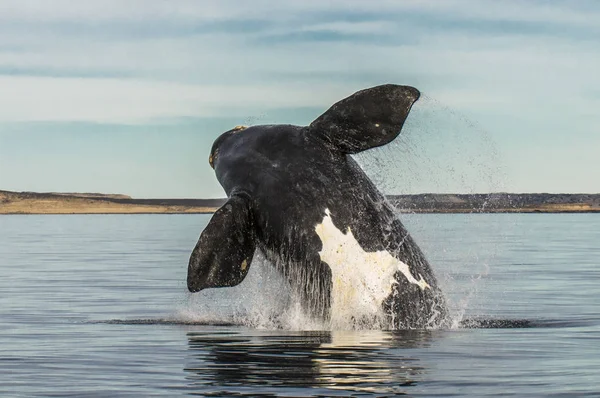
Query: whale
[[297, 195]]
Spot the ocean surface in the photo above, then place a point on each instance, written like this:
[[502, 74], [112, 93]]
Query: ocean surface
[[96, 306]]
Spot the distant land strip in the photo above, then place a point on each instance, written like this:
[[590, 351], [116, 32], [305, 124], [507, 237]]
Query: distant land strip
[[97, 203]]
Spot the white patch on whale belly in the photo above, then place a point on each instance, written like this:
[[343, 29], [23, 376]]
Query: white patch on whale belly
[[361, 280]]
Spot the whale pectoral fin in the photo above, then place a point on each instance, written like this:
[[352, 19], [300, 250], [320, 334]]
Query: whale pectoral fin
[[367, 119], [225, 249]]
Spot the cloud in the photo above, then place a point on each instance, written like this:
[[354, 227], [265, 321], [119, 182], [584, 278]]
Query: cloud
[[526, 71], [564, 12], [134, 80], [136, 101]]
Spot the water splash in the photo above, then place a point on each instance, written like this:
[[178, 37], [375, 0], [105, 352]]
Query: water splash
[[264, 300], [439, 150]]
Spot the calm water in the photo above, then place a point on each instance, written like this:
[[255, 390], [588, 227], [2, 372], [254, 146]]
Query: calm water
[[97, 306]]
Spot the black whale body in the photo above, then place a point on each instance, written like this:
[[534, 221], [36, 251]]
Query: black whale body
[[284, 181]]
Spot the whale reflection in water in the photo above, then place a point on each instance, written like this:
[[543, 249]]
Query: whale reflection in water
[[235, 362]]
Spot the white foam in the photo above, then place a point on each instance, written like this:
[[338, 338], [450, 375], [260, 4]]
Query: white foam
[[264, 300]]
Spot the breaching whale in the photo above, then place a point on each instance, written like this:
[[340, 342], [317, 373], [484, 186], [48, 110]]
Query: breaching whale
[[296, 194]]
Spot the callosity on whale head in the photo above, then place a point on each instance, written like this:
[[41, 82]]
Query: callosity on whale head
[[296, 194]]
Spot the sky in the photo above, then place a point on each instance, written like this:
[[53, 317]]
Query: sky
[[127, 96]]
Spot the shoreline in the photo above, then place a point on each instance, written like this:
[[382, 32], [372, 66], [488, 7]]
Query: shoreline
[[212, 212], [124, 213], [29, 203]]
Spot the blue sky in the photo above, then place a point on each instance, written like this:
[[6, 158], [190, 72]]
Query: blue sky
[[126, 96]]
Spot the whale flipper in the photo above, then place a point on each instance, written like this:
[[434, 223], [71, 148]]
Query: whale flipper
[[225, 249], [367, 119]]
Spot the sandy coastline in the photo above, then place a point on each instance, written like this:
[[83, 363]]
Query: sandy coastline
[[86, 203], [59, 203]]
